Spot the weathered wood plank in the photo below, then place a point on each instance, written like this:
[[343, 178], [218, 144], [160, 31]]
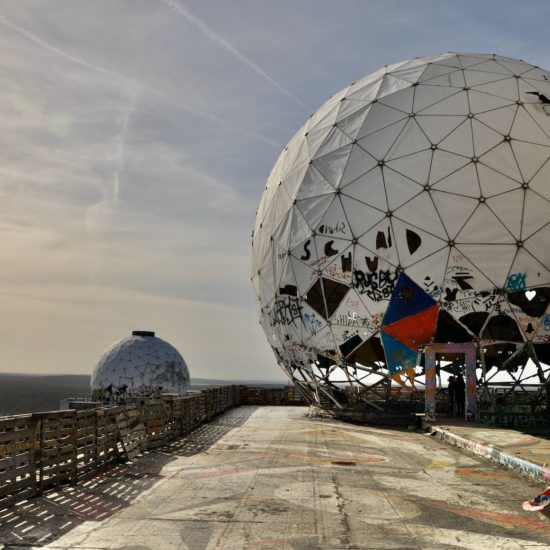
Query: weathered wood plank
[[42, 450]]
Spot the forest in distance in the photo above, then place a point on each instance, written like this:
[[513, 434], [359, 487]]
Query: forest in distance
[[27, 393]]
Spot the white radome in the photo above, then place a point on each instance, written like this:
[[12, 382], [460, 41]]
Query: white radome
[[141, 365], [435, 170]]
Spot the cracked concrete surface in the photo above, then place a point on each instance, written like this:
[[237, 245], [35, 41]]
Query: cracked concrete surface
[[275, 479]]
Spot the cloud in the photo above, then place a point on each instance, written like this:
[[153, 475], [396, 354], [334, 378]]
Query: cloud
[[134, 84], [134, 155], [218, 39]]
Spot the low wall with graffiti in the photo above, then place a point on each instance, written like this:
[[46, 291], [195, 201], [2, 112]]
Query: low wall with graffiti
[[490, 452]]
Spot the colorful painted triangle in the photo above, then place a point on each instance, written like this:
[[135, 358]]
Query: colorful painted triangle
[[415, 330], [399, 357], [407, 299]]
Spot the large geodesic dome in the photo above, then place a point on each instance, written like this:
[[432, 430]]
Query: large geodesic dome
[[412, 208], [141, 365]]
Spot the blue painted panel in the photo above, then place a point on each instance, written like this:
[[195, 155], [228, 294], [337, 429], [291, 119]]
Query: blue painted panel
[[399, 357], [407, 299]]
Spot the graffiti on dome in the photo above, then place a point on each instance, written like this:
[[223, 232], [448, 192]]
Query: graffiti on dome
[[469, 301], [457, 294], [516, 281], [349, 334], [335, 272], [377, 285], [354, 319], [312, 323], [338, 227], [285, 310]]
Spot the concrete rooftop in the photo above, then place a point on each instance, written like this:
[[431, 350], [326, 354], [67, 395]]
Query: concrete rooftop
[[272, 478]]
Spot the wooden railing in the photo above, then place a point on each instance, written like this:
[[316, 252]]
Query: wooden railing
[[40, 451], [43, 450]]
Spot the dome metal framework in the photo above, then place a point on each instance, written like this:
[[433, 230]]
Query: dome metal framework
[[141, 365], [412, 208]]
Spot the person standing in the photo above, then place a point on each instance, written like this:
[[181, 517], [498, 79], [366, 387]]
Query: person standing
[[460, 394], [451, 392]]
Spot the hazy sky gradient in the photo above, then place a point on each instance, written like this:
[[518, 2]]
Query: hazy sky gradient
[[137, 136]]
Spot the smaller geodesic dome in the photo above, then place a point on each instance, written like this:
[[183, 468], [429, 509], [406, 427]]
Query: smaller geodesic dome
[[140, 365]]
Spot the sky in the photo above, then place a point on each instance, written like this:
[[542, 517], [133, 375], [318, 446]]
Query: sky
[[136, 139]]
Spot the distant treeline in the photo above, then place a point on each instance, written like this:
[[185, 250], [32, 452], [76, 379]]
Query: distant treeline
[[26, 393], [21, 394]]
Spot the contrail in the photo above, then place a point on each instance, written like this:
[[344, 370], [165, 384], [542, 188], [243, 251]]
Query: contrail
[[53, 49], [229, 48], [134, 83], [120, 143]]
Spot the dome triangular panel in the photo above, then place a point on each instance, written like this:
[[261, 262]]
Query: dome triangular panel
[[335, 222], [352, 123], [334, 140], [484, 226], [527, 272], [376, 247], [537, 207], [491, 66], [379, 117], [429, 221], [313, 184], [303, 273], [500, 120], [365, 90], [459, 141], [413, 244], [500, 160], [369, 189], [361, 216], [300, 230], [426, 96], [454, 79], [455, 210], [492, 262], [416, 166], [359, 162], [314, 209], [530, 157], [505, 89], [437, 128], [537, 244], [332, 166], [475, 78], [399, 189], [492, 182], [401, 100], [484, 138], [513, 66], [508, 207], [444, 163], [526, 129], [470, 60], [456, 104], [429, 273], [434, 70], [411, 140], [539, 183], [378, 144], [463, 181]]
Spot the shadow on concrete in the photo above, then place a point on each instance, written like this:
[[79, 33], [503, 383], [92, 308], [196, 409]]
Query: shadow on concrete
[[41, 520]]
